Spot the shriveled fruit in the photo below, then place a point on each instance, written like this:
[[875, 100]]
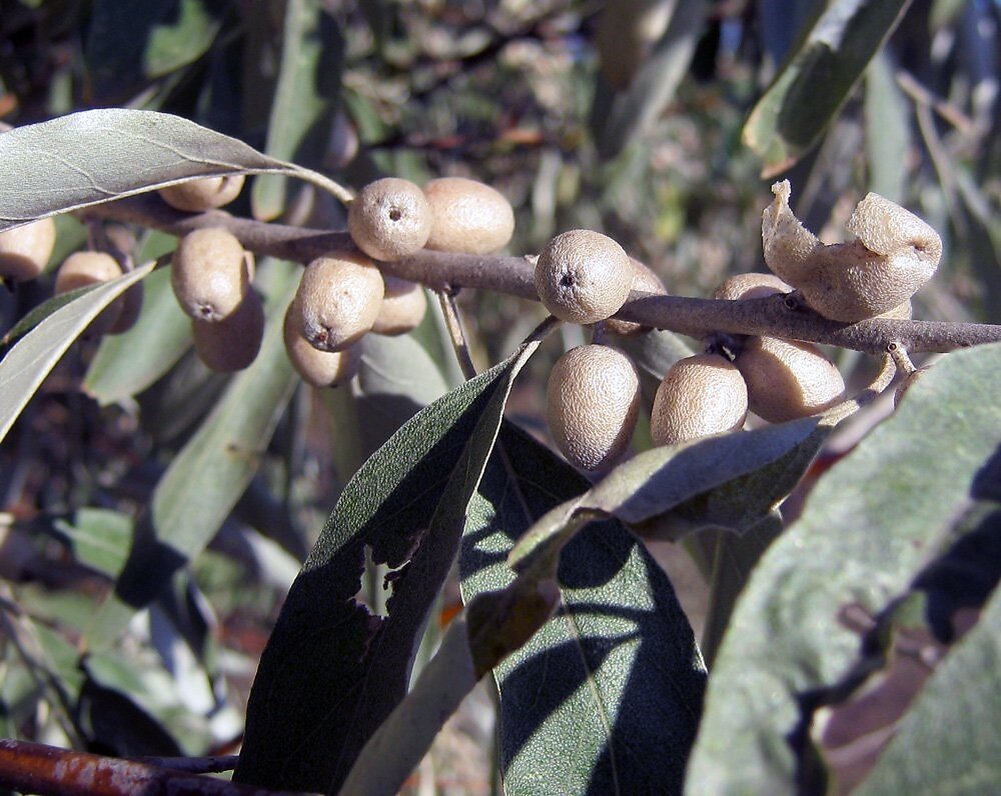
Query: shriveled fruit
[[700, 395], [894, 253], [751, 286], [787, 379], [25, 250], [468, 216], [318, 368], [82, 269], [583, 276], [592, 401], [402, 308], [339, 296], [211, 273], [196, 196], [644, 281], [232, 343], [389, 219]]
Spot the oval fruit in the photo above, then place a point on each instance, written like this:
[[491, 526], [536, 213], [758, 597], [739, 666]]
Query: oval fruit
[[592, 401], [389, 219], [583, 276], [787, 379], [197, 196], [644, 281], [339, 298], [25, 250], [402, 309], [90, 268], [751, 286], [232, 343], [700, 395], [318, 368], [211, 273], [468, 216]]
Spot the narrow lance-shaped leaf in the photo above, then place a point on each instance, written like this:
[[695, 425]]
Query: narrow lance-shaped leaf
[[98, 156], [605, 698], [162, 334], [814, 83], [27, 364], [205, 480], [871, 524], [307, 88], [332, 671]]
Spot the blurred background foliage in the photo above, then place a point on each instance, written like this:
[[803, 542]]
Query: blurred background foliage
[[660, 122]]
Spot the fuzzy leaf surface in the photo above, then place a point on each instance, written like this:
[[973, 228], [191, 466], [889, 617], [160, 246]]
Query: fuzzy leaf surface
[[606, 697], [97, 156], [332, 671], [871, 524]]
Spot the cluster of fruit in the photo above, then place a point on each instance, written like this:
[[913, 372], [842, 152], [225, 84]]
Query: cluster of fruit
[[593, 395], [581, 276], [343, 295]]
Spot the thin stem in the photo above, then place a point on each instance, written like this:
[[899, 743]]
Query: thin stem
[[446, 298], [695, 317]]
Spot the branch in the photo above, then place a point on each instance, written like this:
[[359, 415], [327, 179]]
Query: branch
[[776, 316], [37, 768]]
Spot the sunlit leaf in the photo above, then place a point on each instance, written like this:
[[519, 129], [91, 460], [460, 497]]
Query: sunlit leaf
[[98, 156], [315, 701], [305, 94], [606, 697], [871, 524], [814, 84], [27, 364]]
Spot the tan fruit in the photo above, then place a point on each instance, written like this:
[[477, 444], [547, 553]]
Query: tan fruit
[[468, 216], [232, 343], [131, 306], [25, 250], [902, 312], [583, 276], [389, 219], [90, 268], [751, 286], [211, 273], [644, 281], [787, 379], [196, 196], [339, 296], [699, 396], [318, 368], [402, 308], [894, 253], [592, 401]]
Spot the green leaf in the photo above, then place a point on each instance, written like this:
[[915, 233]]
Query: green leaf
[[162, 334], [332, 671], [129, 43], [816, 81], [887, 130], [949, 741], [871, 524], [98, 156], [27, 364], [619, 119], [99, 538], [731, 481], [605, 698], [305, 96], [205, 480]]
